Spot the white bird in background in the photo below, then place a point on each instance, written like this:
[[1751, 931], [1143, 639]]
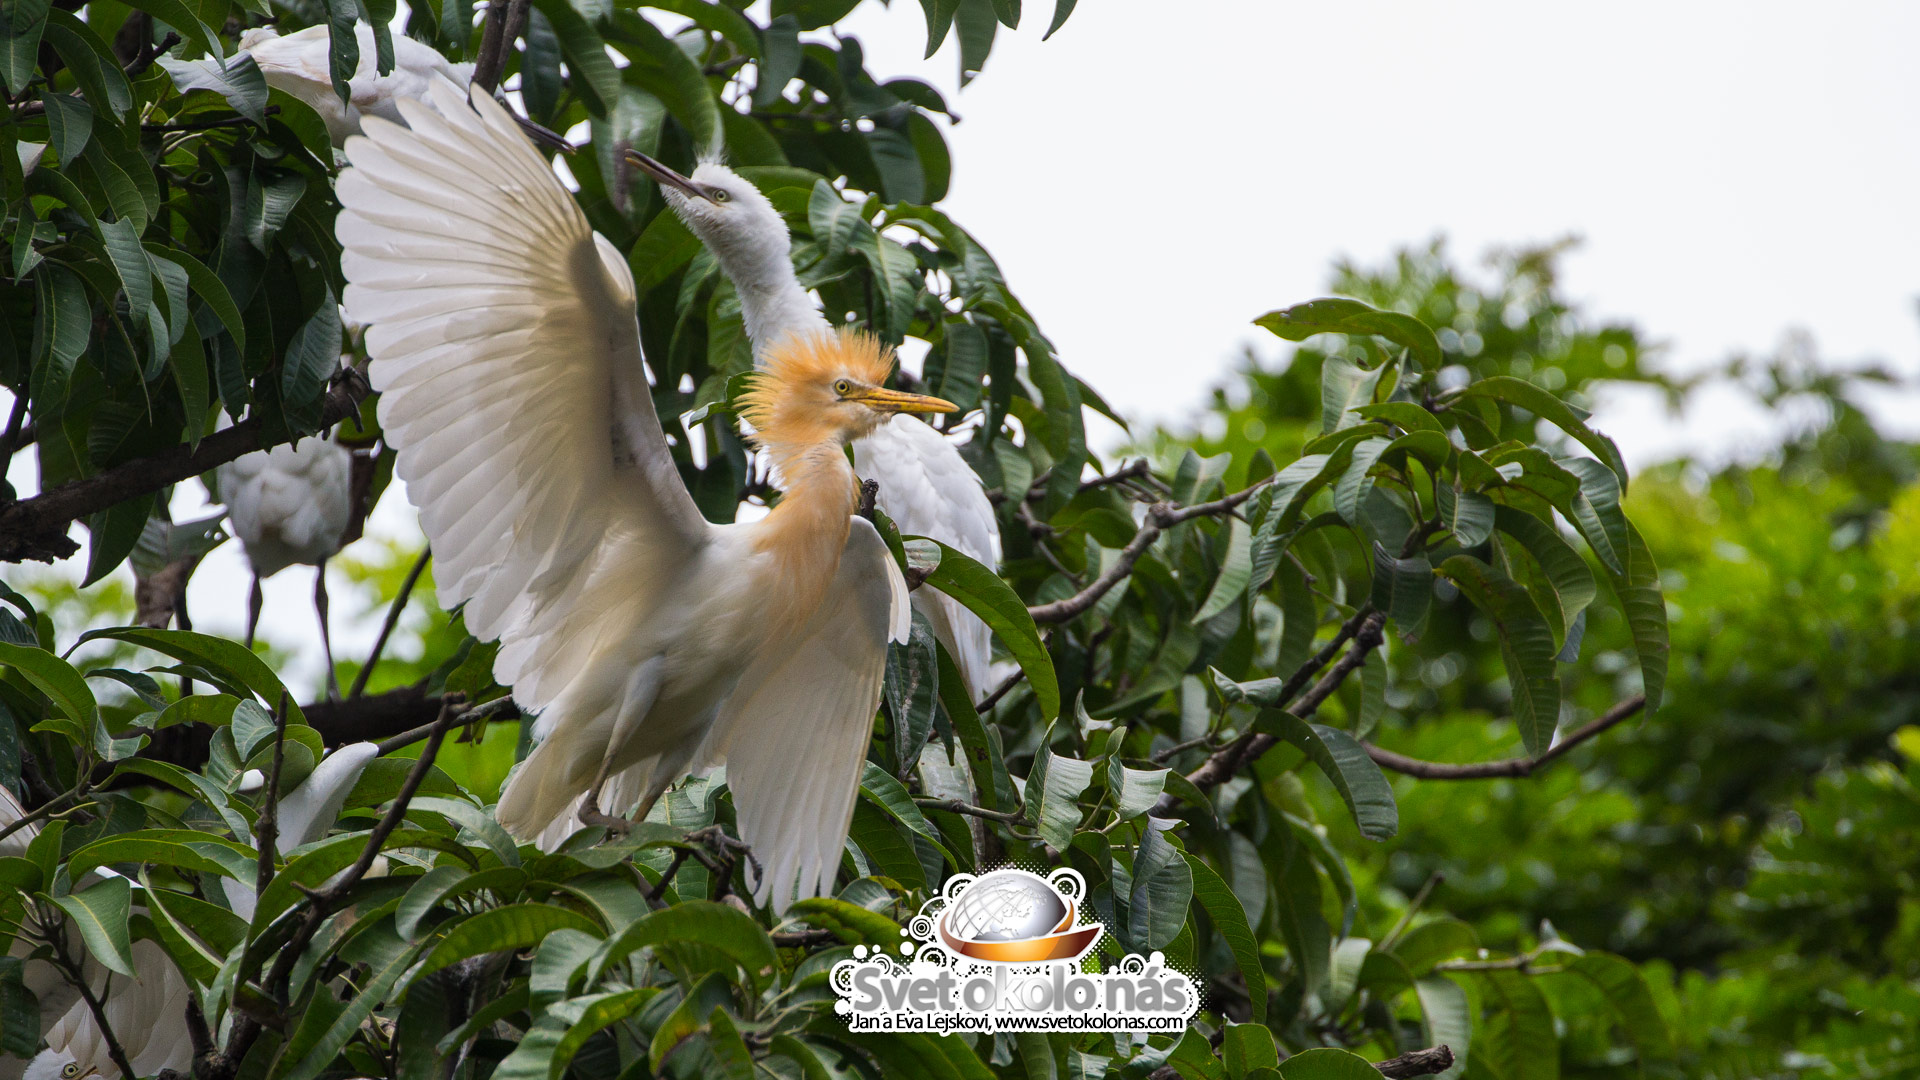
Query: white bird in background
[[300, 64], [650, 641], [148, 1013], [926, 487], [288, 505]]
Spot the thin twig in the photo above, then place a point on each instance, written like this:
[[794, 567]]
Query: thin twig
[[267, 833], [1413, 908], [987, 703], [151, 53], [393, 619], [495, 708], [14, 422], [53, 806], [449, 711], [1509, 767], [955, 806], [76, 974], [1246, 749], [208, 125]]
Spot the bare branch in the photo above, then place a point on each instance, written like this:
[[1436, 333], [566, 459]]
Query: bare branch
[[955, 806], [36, 528], [1432, 1060], [267, 832], [1246, 749], [504, 22], [1510, 767], [498, 708], [386, 629]]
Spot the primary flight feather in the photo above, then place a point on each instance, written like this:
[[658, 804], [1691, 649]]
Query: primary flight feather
[[651, 642]]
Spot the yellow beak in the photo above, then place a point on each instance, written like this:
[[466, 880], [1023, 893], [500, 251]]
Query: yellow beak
[[895, 401]]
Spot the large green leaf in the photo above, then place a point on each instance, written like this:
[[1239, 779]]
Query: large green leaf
[[1526, 644], [1517, 1041], [1162, 889], [1327, 1063], [726, 929], [1346, 386], [1448, 1019], [219, 655], [101, 913], [1229, 918], [1054, 787], [1566, 572], [912, 687], [1542, 403], [1638, 588], [983, 592], [1236, 570], [19, 40], [1626, 991], [1361, 785], [514, 926], [1403, 588], [1341, 316]]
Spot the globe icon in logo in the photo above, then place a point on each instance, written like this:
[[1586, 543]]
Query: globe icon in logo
[[1007, 906], [1013, 916]]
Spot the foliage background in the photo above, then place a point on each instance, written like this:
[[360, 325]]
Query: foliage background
[[1723, 888]]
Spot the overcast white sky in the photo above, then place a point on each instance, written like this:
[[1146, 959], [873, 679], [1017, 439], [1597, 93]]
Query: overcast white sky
[[1736, 170]]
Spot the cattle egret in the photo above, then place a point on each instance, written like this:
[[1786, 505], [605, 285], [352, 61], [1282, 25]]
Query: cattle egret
[[143, 1012], [926, 487], [651, 642], [288, 505], [300, 64]]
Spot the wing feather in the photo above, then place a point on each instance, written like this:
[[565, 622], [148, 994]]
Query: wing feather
[[500, 329], [794, 734]]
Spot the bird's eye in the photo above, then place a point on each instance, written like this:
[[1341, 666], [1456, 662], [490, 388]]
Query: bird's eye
[[71, 1069], [842, 387], [719, 195]]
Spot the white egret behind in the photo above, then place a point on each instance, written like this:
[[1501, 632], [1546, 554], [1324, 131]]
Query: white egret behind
[[926, 487], [300, 64], [505, 347], [291, 505]]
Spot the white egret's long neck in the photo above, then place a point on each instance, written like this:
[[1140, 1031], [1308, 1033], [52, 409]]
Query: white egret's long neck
[[772, 303], [807, 531]]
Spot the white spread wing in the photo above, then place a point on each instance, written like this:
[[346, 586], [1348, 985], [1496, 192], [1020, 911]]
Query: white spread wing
[[501, 328], [795, 732], [928, 489]]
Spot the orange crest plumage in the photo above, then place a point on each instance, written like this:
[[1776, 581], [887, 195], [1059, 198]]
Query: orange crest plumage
[[803, 361]]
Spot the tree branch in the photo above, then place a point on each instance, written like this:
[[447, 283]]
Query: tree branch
[[36, 528], [1510, 767], [1246, 749], [1160, 518], [1434, 1059], [505, 19]]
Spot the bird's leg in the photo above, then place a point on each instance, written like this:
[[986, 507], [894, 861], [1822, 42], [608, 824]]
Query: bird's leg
[[253, 610], [724, 847], [590, 812], [326, 635]]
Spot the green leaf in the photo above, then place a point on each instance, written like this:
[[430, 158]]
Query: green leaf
[[912, 687], [836, 223], [1236, 570], [1296, 907], [1162, 889], [1526, 644], [19, 41], [595, 77], [238, 82], [1626, 991], [62, 323], [1327, 1063], [514, 926], [1246, 1047], [851, 923], [1340, 316], [1468, 515], [208, 286], [313, 355], [199, 36], [1135, 791], [939, 15], [1517, 1041], [1566, 571], [1403, 588], [1448, 1019], [779, 60], [880, 788], [93, 65], [732, 932], [1054, 786], [223, 657], [1404, 415], [1646, 609], [55, 678], [982, 592], [1345, 387], [69, 123], [101, 912], [1229, 918], [1361, 785], [1354, 484], [1541, 402]]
